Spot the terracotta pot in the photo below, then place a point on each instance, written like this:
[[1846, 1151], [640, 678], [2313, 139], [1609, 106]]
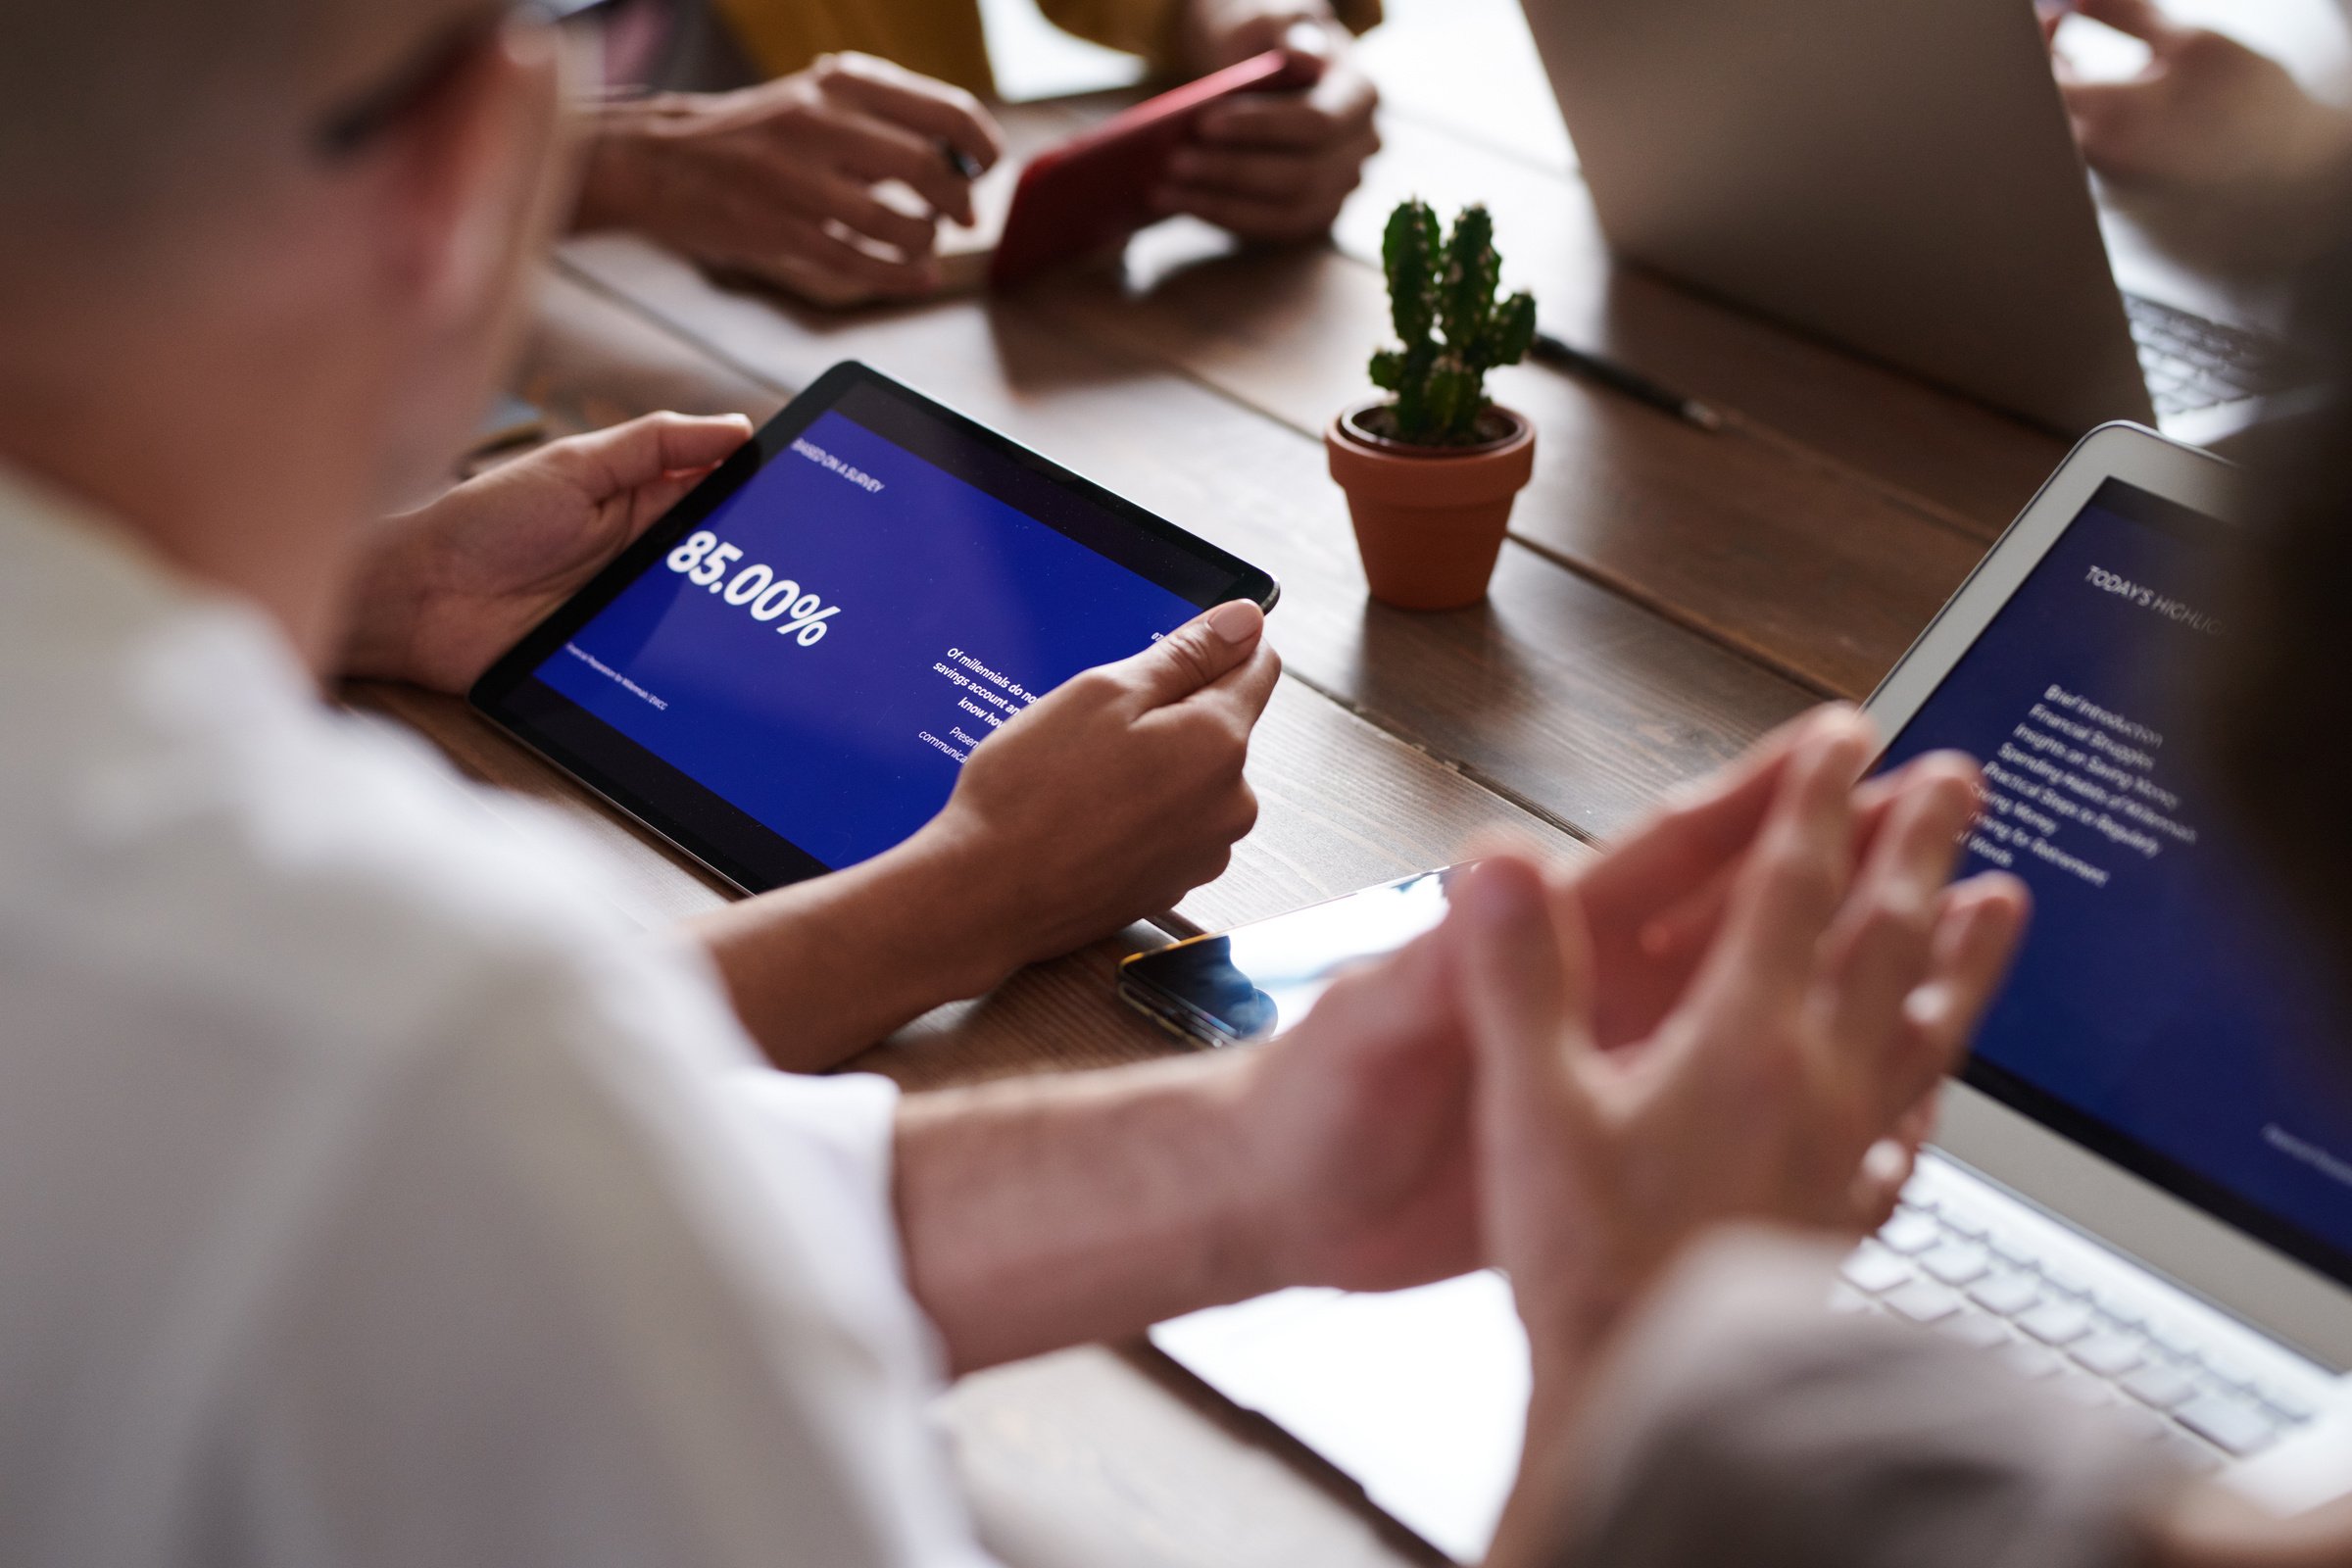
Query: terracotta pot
[[1430, 520]]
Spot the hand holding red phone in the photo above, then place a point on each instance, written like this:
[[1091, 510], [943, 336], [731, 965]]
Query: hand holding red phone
[[1275, 165]]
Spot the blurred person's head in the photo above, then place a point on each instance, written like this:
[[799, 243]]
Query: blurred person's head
[[262, 262], [2283, 709]]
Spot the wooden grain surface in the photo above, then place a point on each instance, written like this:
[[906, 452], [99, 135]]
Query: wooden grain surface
[[1666, 597]]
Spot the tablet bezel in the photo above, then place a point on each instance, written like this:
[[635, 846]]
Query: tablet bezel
[[694, 820], [2117, 1206]]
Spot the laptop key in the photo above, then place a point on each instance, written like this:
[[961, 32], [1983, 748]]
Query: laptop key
[[2110, 1355], [2056, 1323], [2226, 1371], [2286, 1407], [2006, 1293], [1976, 1330], [2159, 1386], [1955, 1263], [1874, 1270], [1909, 1234], [2227, 1424], [2065, 1281], [1922, 1302]]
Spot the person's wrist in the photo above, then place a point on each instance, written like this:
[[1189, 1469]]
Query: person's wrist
[[379, 633], [976, 926], [1278, 1235], [1256, 1222], [614, 178]]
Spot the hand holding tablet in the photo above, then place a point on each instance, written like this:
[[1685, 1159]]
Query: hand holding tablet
[[786, 675]]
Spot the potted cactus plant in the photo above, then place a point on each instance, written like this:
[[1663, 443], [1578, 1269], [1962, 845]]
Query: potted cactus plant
[[1431, 469]]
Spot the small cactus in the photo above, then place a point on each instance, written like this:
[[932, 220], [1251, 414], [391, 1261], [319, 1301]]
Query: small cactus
[[1452, 327]]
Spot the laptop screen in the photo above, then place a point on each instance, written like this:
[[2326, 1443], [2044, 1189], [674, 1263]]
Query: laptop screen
[[2164, 1011]]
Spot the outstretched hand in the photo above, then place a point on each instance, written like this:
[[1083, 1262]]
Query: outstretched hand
[[1833, 996], [2206, 114], [448, 588], [1737, 1010], [1275, 165]]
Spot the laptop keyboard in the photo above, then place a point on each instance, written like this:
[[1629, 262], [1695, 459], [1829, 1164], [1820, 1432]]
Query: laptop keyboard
[[2193, 363], [1947, 1265]]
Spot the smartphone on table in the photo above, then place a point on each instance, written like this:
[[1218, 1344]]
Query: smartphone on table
[[1255, 981]]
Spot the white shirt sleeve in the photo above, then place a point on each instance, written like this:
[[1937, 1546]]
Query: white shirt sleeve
[[585, 1288]]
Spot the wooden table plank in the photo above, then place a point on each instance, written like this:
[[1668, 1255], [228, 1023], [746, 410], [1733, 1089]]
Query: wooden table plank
[[1562, 695], [1784, 561]]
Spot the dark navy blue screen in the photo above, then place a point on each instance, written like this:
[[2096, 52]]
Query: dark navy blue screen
[[2163, 1010], [951, 610]]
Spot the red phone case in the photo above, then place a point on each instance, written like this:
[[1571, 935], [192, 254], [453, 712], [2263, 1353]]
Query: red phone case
[[1092, 191]]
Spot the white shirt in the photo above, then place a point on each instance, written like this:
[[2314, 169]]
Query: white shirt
[[368, 1196]]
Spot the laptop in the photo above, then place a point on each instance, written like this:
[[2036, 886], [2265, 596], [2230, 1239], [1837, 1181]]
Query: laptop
[[1900, 180], [2140, 1194]]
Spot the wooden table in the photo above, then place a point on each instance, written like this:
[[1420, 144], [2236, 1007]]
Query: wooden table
[[1665, 597]]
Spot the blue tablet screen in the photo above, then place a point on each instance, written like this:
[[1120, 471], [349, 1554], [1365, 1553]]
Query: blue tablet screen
[[825, 649]]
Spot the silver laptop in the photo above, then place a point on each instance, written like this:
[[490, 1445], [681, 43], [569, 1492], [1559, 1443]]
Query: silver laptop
[[1898, 178], [2142, 1192]]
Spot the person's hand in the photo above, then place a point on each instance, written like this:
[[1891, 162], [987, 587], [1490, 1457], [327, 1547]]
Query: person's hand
[[1274, 166], [781, 178], [1360, 1113], [1654, 902], [1831, 1000], [2205, 114], [1115, 793], [448, 588]]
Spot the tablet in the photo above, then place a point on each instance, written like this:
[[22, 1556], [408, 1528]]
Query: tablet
[[784, 675]]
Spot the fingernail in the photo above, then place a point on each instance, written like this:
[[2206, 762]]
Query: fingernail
[[1851, 740], [1237, 621], [1924, 1007], [1498, 893]]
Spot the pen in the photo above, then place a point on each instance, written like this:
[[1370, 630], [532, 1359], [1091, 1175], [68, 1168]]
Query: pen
[[962, 162], [1631, 383]]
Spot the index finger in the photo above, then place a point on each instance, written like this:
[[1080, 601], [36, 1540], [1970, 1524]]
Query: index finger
[[933, 108], [1248, 687], [1689, 919], [1764, 959], [1677, 850]]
